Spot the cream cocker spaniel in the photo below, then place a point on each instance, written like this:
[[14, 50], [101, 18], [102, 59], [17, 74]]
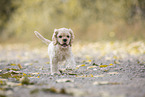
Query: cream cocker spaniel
[[59, 49]]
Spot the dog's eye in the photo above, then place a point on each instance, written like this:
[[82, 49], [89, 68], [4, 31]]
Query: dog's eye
[[60, 36], [67, 36]]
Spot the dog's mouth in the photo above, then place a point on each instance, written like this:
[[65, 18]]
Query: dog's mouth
[[64, 45]]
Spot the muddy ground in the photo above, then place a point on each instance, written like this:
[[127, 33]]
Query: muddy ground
[[103, 70]]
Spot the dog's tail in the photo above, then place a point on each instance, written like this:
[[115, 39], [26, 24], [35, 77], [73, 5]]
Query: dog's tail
[[42, 38]]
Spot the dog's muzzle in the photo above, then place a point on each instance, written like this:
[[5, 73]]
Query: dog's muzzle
[[64, 40], [64, 45]]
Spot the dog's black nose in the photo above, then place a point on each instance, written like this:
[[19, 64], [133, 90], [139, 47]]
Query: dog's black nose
[[64, 40]]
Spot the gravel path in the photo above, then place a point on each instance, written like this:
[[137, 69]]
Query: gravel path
[[104, 72]]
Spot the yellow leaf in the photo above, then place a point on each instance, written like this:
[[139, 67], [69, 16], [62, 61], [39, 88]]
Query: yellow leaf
[[19, 84], [77, 67], [2, 82], [91, 67], [103, 66], [91, 75], [13, 64], [106, 70], [89, 61], [29, 75], [19, 65], [83, 65], [37, 76], [24, 74], [111, 64]]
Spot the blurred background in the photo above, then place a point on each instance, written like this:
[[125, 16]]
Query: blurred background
[[91, 20]]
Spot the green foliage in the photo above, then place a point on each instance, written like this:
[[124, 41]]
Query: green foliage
[[92, 20]]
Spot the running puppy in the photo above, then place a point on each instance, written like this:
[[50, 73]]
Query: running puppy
[[59, 49]]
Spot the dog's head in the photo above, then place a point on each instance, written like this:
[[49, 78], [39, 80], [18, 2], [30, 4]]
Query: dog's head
[[63, 37]]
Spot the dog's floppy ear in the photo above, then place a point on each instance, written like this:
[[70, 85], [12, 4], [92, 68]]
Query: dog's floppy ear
[[72, 36], [54, 37]]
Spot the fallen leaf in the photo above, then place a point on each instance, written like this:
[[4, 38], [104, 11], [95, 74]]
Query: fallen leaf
[[105, 70], [72, 74], [105, 83], [13, 64], [112, 73], [77, 67], [27, 64], [101, 66], [94, 64], [14, 69], [70, 69], [19, 65], [24, 74], [17, 76], [111, 64], [19, 84], [11, 74], [81, 65], [14, 72], [5, 75], [91, 75], [2, 82], [64, 80], [91, 67], [89, 60]]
